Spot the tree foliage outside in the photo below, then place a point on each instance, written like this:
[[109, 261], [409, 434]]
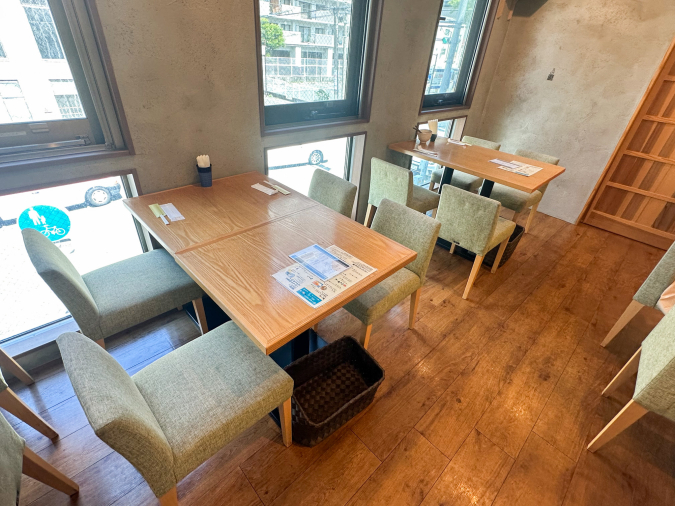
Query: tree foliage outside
[[272, 35]]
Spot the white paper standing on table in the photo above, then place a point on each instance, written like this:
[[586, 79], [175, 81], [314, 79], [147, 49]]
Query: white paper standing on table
[[264, 189], [171, 212], [316, 292]]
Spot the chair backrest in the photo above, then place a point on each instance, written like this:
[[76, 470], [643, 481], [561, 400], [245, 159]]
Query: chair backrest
[[537, 156], [413, 229], [658, 280], [11, 463], [655, 386], [62, 277], [333, 192], [117, 411], [467, 219], [389, 181], [475, 141]]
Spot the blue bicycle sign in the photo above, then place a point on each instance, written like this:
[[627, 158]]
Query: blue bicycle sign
[[50, 221]]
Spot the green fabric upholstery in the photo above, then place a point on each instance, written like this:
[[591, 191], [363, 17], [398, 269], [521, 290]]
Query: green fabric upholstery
[[413, 230], [64, 280], [136, 289], [516, 200], [117, 411], [208, 391], [658, 280], [471, 221], [423, 200], [538, 156], [11, 463], [180, 410], [116, 297], [3, 383], [333, 192], [460, 180], [389, 181], [475, 141], [655, 386]]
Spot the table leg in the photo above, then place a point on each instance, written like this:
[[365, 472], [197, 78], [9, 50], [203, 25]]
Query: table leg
[[486, 189], [447, 177]]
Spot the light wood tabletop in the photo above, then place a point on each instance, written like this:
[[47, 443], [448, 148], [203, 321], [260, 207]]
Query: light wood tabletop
[[475, 160], [236, 271], [226, 208]]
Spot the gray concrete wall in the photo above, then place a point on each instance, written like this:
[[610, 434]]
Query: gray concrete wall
[[604, 53], [188, 82]]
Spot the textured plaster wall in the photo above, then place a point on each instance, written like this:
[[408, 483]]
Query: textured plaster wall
[[604, 53], [187, 77]]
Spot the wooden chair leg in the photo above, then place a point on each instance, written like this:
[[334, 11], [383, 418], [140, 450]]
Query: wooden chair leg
[[472, 277], [101, 343], [432, 185], [14, 405], [530, 218], [370, 214], [433, 213], [7, 362], [630, 414], [170, 498], [285, 420], [624, 374], [500, 254], [41, 470], [630, 312], [452, 248], [201, 315], [414, 302], [366, 339]]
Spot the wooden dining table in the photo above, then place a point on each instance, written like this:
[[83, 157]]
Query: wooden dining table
[[475, 160], [234, 238]]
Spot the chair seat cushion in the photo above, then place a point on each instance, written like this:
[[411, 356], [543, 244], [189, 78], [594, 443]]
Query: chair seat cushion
[[369, 306], [513, 199], [460, 180], [206, 392], [423, 200], [503, 231], [139, 288]]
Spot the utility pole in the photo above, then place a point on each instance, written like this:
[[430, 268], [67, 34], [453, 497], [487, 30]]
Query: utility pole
[[336, 72], [452, 48]]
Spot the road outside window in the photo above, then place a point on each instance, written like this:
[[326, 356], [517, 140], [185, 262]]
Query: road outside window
[[89, 224], [295, 165]]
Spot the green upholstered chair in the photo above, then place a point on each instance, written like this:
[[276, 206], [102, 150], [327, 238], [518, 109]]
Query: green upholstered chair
[[17, 459], [654, 364], [415, 231], [473, 222], [13, 404], [180, 410], [389, 181], [519, 201], [333, 192], [116, 297], [460, 179], [649, 293]]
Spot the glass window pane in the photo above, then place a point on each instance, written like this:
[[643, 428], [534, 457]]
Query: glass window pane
[[14, 108], [317, 62], [2, 51], [67, 98], [422, 169], [86, 221], [43, 27], [295, 165]]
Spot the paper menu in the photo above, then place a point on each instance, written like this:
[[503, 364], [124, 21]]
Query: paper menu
[[320, 262], [520, 168], [315, 292], [171, 211]]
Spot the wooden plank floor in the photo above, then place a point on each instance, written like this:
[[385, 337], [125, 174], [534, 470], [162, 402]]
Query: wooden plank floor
[[487, 401]]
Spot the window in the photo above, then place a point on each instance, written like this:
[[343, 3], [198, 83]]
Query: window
[[2, 51], [14, 105], [303, 89], [460, 28], [422, 169], [43, 27], [86, 221], [56, 100]]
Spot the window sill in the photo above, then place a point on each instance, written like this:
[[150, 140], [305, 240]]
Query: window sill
[[38, 339], [311, 125], [444, 108], [62, 159]]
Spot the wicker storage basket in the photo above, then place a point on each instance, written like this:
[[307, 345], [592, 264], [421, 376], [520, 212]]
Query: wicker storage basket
[[332, 385], [515, 238]]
